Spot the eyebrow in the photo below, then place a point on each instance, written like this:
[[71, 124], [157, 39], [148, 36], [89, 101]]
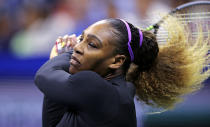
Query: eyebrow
[[95, 37]]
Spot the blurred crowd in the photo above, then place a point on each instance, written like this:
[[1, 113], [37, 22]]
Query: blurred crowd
[[29, 28]]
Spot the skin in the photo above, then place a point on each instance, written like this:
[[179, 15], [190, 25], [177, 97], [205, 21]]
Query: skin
[[95, 51]]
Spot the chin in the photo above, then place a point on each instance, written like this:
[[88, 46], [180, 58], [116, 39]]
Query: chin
[[72, 70]]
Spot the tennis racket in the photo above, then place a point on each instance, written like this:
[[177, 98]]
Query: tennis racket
[[193, 14]]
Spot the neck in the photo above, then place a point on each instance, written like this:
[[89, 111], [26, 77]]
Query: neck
[[113, 74]]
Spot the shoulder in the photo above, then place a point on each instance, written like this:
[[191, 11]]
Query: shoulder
[[131, 89], [124, 86], [92, 82], [88, 77], [125, 90]]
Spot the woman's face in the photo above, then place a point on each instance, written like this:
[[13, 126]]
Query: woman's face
[[95, 51]]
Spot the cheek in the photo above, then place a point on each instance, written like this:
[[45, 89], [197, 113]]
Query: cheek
[[94, 60], [97, 63], [90, 61]]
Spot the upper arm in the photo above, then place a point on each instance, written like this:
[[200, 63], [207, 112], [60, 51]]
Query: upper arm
[[82, 90]]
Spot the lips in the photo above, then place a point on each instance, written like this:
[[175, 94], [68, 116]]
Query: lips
[[74, 61]]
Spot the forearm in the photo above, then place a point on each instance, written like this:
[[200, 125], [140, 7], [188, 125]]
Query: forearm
[[52, 111], [53, 75], [60, 62], [72, 90]]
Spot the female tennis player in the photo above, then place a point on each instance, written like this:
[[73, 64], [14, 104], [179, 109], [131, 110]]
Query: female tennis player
[[94, 84]]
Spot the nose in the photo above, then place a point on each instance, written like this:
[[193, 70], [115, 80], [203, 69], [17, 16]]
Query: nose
[[78, 48]]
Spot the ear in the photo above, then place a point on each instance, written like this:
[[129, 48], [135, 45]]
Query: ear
[[118, 62]]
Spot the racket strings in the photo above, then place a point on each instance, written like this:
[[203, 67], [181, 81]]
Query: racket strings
[[191, 18], [193, 14], [163, 33]]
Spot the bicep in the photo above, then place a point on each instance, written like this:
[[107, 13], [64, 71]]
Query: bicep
[[82, 90]]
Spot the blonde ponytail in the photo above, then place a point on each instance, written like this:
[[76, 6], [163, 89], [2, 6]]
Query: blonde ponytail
[[177, 70]]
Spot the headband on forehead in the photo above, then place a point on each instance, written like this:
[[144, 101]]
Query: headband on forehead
[[129, 39]]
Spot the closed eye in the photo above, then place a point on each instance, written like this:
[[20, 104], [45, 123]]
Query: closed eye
[[91, 44]]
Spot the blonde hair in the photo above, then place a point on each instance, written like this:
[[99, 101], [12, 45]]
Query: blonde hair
[[177, 70]]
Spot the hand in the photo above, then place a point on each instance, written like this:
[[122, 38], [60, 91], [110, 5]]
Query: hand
[[63, 44]]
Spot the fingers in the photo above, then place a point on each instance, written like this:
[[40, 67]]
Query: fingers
[[59, 44], [65, 43], [72, 40], [53, 52], [56, 47]]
